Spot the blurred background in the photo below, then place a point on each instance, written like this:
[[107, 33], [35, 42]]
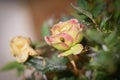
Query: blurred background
[[20, 17]]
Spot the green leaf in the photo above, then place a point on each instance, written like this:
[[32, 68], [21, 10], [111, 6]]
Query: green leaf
[[104, 21], [111, 40], [94, 35], [38, 44], [97, 1], [56, 60], [88, 14], [54, 64], [117, 11], [45, 30], [101, 76], [82, 77], [98, 9], [80, 17], [83, 4], [13, 65], [104, 61]]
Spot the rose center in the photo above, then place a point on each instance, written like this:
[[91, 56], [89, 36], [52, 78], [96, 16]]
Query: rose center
[[62, 39]]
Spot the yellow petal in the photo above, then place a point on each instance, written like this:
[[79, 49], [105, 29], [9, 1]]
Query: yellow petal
[[22, 57], [21, 49], [76, 49], [32, 52]]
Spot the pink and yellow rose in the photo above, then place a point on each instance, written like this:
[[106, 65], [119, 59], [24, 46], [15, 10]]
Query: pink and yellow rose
[[66, 37]]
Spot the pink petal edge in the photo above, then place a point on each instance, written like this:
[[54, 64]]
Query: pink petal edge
[[74, 21], [48, 40]]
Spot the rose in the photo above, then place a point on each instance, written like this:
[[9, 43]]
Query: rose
[[66, 36], [21, 49]]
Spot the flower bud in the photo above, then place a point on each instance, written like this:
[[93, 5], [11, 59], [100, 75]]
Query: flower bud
[[21, 49], [65, 34]]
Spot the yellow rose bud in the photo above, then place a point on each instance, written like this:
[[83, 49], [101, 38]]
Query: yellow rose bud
[[21, 49]]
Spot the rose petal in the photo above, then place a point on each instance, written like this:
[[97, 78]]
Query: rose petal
[[56, 28], [74, 21], [82, 25], [78, 37], [14, 50], [22, 57], [73, 34], [67, 38], [29, 50], [65, 26], [32, 52], [48, 39], [60, 46], [57, 38], [77, 49], [60, 41]]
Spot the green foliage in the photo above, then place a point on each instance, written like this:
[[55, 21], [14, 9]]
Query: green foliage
[[83, 4], [97, 35], [105, 63], [45, 30], [101, 76], [38, 44], [48, 65], [98, 9], [14, 65], [85, 12], [104, 22]]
